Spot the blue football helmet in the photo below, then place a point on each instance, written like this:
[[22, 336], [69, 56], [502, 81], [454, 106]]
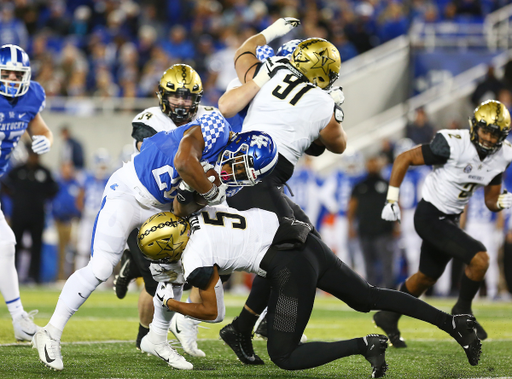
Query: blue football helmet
[[14, 58], [287, 49], [251, 157]]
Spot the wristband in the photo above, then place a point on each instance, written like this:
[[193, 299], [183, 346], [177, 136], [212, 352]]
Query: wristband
[[393, 194], [211, 194]]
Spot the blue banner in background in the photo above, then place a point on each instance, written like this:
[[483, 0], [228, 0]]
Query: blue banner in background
[[433, 68]]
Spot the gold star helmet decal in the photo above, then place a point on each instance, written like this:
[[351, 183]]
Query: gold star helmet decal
[[323, 61], [168, 247]]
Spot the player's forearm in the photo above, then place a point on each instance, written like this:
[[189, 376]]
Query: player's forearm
[[233, 101], [400, 167], [201, 311]]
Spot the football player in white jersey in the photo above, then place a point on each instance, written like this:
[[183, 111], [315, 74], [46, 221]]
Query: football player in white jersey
[[147, 185], [21, 104], [289, 99], [462, 160], [296, 262], [179, 95]]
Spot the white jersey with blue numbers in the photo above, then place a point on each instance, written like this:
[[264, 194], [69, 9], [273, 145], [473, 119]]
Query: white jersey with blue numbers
[[15, 117], [291, 111], [154, 165], [449, 186]]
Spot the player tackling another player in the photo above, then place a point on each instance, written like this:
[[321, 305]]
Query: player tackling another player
[[296, 262], [462, 160]]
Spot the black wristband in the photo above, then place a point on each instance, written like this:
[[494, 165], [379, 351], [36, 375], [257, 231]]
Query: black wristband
[[184, 196]]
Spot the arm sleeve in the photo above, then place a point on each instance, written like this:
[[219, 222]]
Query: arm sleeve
[[200, 277], [141, 131], [437, 152], [496, 180]]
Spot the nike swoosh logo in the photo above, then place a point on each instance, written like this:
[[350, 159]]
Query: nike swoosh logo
[[21, 115], [161, 298], [177, 329], [48, 359], [159, 356], [30, 334], [442, 218], [79, 294]]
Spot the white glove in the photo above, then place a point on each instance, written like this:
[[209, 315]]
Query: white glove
[[216, 195], [391, 212], [269, 69], [207, 166], [280, 28], [167, 272], [504, 200], [337, 94], [40, 144], [163, 293]]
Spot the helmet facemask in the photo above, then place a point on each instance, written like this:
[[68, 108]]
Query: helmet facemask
[[14, 60], [240, 171], [181, 106]]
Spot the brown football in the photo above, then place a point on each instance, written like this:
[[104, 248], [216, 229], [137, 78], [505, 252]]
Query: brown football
[[200, 200]]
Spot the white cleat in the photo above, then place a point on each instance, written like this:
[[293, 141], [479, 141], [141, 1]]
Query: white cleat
[[48, 349], [24, 327], [185, 330], [165, 352]]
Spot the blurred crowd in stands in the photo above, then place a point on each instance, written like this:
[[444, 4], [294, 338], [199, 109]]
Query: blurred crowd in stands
[[119, 48]]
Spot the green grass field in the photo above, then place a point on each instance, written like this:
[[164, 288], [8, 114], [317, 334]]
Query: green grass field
[[98, 342]]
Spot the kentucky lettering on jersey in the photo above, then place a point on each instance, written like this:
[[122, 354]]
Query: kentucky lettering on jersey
[[449, 186], [15, 117], [155, 163]]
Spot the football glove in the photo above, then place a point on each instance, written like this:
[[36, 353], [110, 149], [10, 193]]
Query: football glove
[[40, 144], [183, 186], [504, 200], [269, 69], [280, 28], [167, 272], [216, 195], [391, 211], [163, 293]]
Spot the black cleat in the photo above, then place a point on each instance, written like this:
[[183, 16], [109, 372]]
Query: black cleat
[[388, 322], [464, 332], [480, 331], [124, 278], [261, 330], [241, 344], [376, 345]]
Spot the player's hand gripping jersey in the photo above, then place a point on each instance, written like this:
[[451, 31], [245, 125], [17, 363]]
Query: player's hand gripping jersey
[[154, 165], [449, 186]]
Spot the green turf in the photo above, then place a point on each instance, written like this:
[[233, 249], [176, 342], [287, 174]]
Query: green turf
[[98, 343]]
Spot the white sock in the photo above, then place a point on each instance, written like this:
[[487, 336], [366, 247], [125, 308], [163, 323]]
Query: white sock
[[161, 318], [156, 335], [76, 291], [9, 286]]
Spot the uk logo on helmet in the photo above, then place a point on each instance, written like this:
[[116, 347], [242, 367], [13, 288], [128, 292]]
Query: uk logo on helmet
[[259, 141]]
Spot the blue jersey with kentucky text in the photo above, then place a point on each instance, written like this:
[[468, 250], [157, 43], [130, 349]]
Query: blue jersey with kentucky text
[[14, 118], [155, 163]]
